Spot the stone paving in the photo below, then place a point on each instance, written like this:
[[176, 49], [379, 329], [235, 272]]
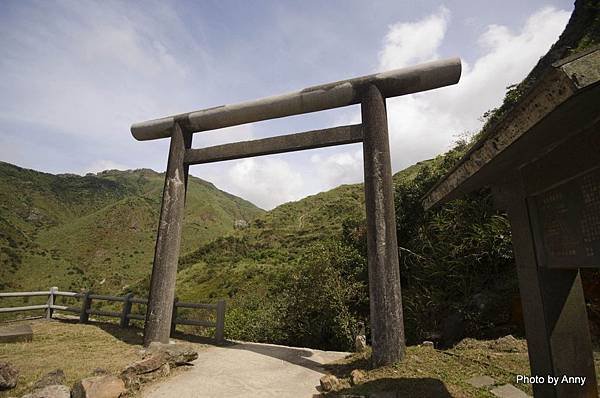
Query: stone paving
[[508, 391], [503, 391], [15, 333]]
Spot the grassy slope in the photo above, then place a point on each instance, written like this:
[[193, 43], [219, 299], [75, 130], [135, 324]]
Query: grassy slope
[[244, 259], [113, 349], [97, 231], [426, 372]]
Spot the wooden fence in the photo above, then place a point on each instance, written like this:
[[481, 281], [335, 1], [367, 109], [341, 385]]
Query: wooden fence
[[125, 315]]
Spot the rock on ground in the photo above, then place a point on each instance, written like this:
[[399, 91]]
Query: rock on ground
[[176, 354], [509, 344], [329, 383], [100, 372], [146, 365], [157, 362], [99, 387], [52, 391], [360, 343], [9, 376], [133, 381], [508, 391], [481, 381], [357, 377], [56, 377]]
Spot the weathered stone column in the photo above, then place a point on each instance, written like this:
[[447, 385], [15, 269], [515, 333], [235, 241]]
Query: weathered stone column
[[387, 325], [166, 254]]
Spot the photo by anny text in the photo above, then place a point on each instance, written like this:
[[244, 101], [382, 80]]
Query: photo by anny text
[[549, 379]]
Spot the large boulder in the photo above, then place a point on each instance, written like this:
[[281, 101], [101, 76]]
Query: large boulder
[[146, 365], [152, 367], [133, 380], [56, 377], [176, 354], [106, 386], [157, 361], [51, 391], [9, 375]]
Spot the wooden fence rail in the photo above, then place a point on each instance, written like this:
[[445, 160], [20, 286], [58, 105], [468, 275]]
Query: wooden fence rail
[[125, 315]]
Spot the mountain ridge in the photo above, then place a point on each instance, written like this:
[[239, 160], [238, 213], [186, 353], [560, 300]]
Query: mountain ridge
[[67, 230]]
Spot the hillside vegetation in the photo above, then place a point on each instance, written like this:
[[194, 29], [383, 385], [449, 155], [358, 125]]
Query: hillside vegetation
[[98, 231]]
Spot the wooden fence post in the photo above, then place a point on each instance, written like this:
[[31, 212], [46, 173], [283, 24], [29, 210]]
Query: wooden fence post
[[174, 317], [126, 310], [86, 303], [220, 331], [51, 296]]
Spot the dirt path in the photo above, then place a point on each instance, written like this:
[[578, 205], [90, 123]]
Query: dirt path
[[248, 370]]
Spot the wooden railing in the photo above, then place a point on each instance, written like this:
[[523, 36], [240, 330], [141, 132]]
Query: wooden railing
[[125, 315]]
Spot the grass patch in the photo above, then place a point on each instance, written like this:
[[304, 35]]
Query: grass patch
[[427, 372], [75, 348]]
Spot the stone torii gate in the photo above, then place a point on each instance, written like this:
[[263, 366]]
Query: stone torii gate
[[368, 91]]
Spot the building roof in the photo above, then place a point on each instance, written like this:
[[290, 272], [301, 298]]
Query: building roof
[[565, 96]]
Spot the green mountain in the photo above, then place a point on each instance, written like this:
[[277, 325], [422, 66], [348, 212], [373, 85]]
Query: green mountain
[[97, 231], [245, 259]]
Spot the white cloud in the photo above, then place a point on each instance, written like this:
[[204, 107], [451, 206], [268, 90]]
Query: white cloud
[[426, 124], [222, 136], [507, 59], [408, 43], [340, 168], [266, 182], [103, 164]]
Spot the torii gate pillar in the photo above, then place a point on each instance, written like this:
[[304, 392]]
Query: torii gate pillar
[[387, 326], [166, 252]]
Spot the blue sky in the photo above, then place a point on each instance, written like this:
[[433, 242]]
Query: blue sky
[[77, 74]]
